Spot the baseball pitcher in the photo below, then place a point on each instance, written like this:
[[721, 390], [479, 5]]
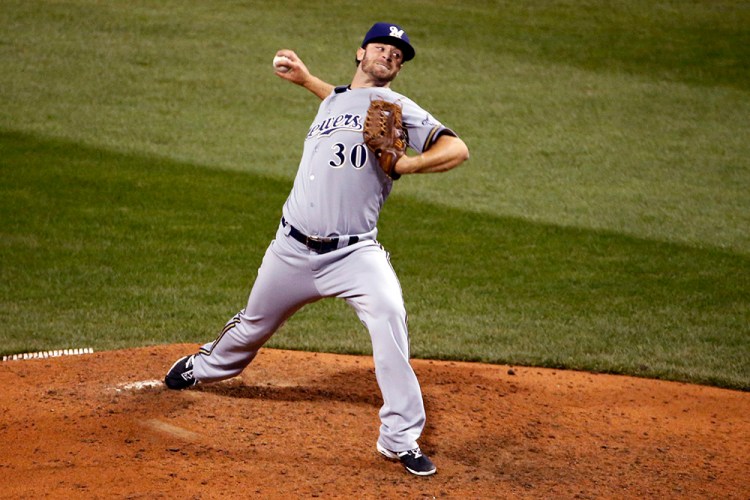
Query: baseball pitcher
[[326, 245]]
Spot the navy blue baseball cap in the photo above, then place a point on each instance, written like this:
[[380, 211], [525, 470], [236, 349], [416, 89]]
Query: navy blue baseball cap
[[392, 34]]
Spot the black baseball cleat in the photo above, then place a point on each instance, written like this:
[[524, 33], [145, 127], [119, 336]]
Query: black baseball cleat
[[180, 376], [413, 461]]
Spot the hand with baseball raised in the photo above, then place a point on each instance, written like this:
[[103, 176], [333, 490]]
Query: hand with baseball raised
[[291, 68]]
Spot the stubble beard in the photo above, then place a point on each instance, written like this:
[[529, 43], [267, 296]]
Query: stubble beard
[[379, 74]]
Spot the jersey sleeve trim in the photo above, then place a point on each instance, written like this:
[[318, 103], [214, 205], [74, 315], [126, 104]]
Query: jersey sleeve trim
[[435, 134]]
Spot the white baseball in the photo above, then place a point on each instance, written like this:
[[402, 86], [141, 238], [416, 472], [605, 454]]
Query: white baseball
[[281, 64]]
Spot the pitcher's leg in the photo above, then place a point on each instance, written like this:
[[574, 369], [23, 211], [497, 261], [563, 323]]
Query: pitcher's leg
[[281, 288], [402, 415], [376, 296]]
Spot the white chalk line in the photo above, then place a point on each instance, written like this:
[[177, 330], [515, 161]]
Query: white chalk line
[[48, 354]]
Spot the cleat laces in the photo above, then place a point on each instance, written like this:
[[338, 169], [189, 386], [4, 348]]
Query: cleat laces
[[416, 453], [188, 373]]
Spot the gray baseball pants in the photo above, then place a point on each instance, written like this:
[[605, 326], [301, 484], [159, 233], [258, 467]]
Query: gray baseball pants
[[291, 276]]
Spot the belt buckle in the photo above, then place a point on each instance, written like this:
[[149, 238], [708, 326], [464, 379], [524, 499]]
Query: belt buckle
[[314, 243], [317, 243]]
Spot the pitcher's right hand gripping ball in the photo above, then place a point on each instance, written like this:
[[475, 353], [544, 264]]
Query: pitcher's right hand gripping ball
[[384, 134]]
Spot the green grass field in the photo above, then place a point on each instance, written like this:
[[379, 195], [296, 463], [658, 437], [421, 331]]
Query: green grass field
[[602, 223]]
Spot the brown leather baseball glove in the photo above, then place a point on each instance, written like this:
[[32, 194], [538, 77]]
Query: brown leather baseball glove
[[385, 135]]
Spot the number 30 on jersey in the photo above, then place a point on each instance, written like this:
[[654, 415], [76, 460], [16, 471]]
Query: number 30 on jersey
[[356, 156]]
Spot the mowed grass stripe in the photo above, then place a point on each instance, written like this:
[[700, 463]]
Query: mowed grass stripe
[[622, 115], [112, 250]]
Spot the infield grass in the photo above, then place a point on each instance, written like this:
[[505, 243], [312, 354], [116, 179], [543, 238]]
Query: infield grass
[[601, 223], [111, 250]]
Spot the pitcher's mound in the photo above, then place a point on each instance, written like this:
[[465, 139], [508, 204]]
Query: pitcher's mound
[[299, 424]]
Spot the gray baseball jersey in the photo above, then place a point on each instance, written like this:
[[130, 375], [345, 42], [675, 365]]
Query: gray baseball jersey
[[339, 188], [338, 193]]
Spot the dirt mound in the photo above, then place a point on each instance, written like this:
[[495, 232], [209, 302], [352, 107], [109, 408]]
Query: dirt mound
[[304, 425]]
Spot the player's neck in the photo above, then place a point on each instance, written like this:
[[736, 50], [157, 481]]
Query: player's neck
[[369, 84]]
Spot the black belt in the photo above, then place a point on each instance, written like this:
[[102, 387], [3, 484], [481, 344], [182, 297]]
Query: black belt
[[316, 243]]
